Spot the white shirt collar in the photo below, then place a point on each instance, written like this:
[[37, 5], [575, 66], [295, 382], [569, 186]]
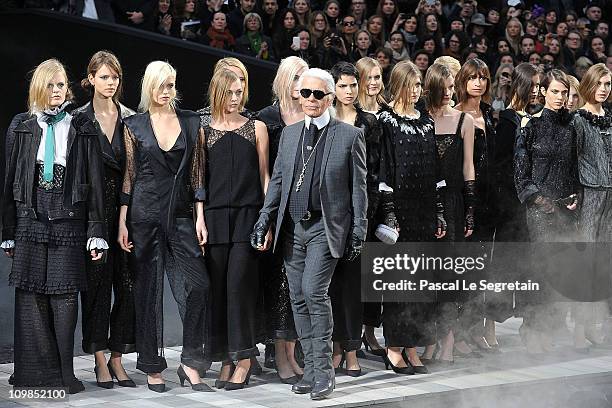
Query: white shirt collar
[[320, 122]]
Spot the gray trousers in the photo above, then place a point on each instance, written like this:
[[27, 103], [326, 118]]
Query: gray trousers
[[310, 267]]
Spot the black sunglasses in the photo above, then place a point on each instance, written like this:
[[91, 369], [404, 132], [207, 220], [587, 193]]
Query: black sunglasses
[[348, 23], [317, 93]]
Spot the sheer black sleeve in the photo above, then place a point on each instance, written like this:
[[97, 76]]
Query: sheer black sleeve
[[198, 166], [130, 168]]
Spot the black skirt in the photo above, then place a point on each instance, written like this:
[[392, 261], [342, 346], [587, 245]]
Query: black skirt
[[49, 255]]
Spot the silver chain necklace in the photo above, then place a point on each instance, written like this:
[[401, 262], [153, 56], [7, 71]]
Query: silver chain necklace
[[300, 181]]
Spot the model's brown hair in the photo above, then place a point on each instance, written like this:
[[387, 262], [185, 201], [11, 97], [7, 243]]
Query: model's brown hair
[[433, 90], [555, 75], [97, 61], [404, 76], [590, 81], [472, 67], [520, 88], [218, 91]]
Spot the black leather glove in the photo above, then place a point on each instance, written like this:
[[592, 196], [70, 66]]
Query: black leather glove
[[387, 206], [469, 199], [353, 248], [569, 200], [440, 221], [258, 236], [545, 204]]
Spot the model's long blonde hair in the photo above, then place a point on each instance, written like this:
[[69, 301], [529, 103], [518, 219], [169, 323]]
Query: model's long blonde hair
[[283, 81], [404, 77], [38, 94]]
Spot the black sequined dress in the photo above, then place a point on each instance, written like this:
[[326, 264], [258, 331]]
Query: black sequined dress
[[409, 165]]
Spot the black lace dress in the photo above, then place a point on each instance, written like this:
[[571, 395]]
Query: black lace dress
[[277, 304], [409, 165], [235, 198], [346, 307]]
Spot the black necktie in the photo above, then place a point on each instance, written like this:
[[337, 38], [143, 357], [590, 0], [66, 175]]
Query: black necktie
[[298, 200]]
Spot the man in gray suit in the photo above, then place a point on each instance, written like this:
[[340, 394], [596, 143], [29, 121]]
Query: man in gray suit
[[317, 197]]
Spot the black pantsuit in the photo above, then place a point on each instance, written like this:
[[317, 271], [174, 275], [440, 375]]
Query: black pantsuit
[[113, 278], [344, 291], [160, 188]]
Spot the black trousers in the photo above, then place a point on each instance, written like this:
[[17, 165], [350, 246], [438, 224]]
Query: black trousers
[[190, 285], [234, 278], [44, 338], [347, 309], [104, 280]]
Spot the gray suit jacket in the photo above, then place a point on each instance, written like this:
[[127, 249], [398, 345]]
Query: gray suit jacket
[[342, 184]]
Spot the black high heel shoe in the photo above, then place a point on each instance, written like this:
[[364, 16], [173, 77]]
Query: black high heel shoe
[[398, 370], [231, 386], [340, 369], [417, 369], [122, 383], [377, 352], [103, 384], [157, 387], [196, 387], [350, 373], [221, 383], [289, 380]]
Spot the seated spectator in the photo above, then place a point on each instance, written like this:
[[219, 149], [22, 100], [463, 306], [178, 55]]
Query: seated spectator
[[548, 61], [481, 45], [388, 10], [457, 24], [135, 13], [583, 26], [302, 9], [186, 12], [396, 44], [318, 28], [384, 56], [359, 10], [206, 13], [571, 18], [348, 30], [218, 35], [163, 16], [554, 48], [597, 50], [284, 32], [253, 42], [478, 25], [572, 49], [602, 29], [535, 59], [305, 50], [500, 89], [455, 42], [268, 16], [375, 27], [409, 29], [429, 44], [332, 12], [422, 60], [514, 33], [593, 11], [235, 19], [561, 30], [495, 29], [527, 46], [364, 46]]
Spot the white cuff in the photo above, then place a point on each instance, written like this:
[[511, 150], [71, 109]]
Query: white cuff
[[440, 184], [8, 244], [384, 187], [96, 243]]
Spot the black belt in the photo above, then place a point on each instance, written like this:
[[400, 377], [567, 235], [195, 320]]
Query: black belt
[[312, 215]]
